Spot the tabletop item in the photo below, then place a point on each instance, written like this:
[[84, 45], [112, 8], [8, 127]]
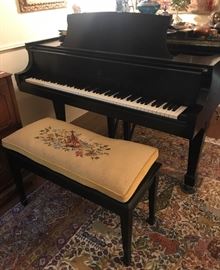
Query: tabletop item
[[215, 18], [148, 6]]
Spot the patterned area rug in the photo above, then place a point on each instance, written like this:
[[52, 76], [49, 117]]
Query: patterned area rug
[[60, 230]]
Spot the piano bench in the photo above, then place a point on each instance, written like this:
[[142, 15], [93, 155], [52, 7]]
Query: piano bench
[[112, 173]]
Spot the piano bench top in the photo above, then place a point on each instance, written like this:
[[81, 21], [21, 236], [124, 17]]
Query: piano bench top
[[113, 167]]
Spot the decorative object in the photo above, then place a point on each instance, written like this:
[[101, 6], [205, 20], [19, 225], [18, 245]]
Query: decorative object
[[36, 5], [164, 8], [76, 8], [215, 18], [179, 5], [148, 6], [122, 6], [215, 21], [203, 6]]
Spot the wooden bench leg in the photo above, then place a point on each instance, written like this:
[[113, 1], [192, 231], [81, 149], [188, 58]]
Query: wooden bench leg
[[16, 173], [152, 200], [126, 232]]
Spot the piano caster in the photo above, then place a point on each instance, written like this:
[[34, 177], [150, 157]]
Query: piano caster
[[187, 189], [189, 184]]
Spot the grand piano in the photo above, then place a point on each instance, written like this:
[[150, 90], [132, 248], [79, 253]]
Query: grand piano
[[119, 65]]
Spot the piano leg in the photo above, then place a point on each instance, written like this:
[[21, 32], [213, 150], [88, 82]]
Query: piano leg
[[128, 129], [112, 126], [59, 108], [195, 147]]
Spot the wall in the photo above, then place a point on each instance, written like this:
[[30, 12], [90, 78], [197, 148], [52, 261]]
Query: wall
[[194, 18], [94, 5], [16, 29]]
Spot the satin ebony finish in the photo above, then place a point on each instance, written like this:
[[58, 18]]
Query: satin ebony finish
[[127, 33], [102, 53]]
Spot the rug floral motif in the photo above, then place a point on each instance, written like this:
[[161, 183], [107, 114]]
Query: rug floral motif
[[174, 153], [186, 235], [58, 230]]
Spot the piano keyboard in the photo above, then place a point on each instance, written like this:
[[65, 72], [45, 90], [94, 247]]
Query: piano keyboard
[[164, 109]]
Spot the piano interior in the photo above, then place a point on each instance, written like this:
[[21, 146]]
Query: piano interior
[[120, 65]]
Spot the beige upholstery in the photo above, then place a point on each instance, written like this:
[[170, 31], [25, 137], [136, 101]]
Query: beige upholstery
[[113, 167]]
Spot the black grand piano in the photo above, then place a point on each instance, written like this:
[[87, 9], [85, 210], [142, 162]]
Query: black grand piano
[[119, 65]]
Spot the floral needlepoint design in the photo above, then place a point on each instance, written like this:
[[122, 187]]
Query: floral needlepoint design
[[69, 140]]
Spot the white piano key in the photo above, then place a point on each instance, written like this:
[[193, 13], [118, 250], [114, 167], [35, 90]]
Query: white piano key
[[111, 99]]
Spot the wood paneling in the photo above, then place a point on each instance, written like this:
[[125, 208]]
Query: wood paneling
[[9, 122]]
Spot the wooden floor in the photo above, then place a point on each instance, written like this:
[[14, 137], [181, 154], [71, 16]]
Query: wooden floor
[[33, 183], [97, 123]]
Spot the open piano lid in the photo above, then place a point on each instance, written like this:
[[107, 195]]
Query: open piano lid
[[126, 33]]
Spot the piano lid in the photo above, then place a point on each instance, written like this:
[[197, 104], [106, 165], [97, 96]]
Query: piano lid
[[126, 33]]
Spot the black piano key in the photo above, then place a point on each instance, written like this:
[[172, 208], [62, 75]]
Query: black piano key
[[105, 92], [175, 107], [132, 98], [141, 100], [89, 89], [166, 105], [121, 95], [154, 103], [137, 100], [98, 91], [111, 93], [75, 85], [94, 89], [114, 94], [118, 95], [170, 107], [148, 100], [159, 103], [81, 87]]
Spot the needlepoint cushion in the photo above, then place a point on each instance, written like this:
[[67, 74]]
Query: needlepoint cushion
[[111, 166]]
